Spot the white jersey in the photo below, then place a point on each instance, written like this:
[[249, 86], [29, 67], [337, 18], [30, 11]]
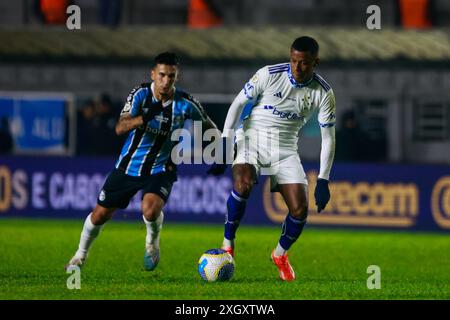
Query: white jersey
[[282, 103]]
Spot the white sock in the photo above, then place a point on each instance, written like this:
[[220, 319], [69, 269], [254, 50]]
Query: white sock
[[279, 251], [228, 243], [153, 230], [88, 235]]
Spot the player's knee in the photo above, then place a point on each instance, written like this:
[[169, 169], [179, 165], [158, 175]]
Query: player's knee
[[151, 212], [244, 187], [101, 215], [300, 212]]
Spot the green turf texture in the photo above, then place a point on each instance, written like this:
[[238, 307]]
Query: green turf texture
[[330, 264]]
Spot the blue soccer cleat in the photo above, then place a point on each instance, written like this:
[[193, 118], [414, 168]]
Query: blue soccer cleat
[[151, 257]]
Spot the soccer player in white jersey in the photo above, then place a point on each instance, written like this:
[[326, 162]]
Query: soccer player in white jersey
[[284, 96]]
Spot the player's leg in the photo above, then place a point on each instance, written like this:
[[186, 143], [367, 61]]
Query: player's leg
[[296, 198], [289, 179], [116, 193], [153, 217], [156, 192], [244, 176], [91, 229]]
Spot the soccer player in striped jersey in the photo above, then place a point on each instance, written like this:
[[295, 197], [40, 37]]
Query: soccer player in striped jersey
[[283, 97], [150, 115]]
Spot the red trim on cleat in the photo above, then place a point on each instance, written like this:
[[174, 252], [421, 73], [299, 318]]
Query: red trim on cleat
[[230, 250], [284, 267]]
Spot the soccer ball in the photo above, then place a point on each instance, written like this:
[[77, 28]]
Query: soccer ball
[[216, 265]]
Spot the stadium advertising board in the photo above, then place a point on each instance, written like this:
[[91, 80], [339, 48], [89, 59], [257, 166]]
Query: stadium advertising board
[[363, 195], [39, 122]]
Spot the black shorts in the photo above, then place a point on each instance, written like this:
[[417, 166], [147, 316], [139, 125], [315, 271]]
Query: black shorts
[[119, 187]]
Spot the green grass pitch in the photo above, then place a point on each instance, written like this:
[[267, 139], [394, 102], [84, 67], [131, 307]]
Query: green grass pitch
[[330, 264]]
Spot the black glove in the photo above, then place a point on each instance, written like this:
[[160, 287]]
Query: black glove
[[217, 169], [322, 194], [148, 114]]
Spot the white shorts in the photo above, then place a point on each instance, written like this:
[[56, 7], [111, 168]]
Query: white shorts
[[282, 165]]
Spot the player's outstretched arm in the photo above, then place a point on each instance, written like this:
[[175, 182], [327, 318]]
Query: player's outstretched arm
[[322, 192]]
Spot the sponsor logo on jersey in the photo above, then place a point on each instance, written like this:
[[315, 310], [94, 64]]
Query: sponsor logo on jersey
[[284, 115], [156, 131]]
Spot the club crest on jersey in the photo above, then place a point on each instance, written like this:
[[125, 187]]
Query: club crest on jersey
[[178, 120], [307, 102], [307, 99]]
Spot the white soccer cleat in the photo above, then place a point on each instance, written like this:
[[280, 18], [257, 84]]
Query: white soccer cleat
[[75, 262]]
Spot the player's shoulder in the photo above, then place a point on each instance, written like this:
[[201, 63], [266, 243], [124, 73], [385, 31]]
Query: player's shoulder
[[277, 68], [322, 84], [271, 72], [143, 88], [274, 69], [138, 94], [183, 94], [186, 97], [144, 85]]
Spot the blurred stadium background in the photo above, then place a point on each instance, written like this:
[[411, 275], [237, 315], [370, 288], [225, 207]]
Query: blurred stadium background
[[61, 92]]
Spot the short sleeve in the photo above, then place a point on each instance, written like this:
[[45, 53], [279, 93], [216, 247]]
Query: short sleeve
[[257, 84], [134, 102], [327, 110]]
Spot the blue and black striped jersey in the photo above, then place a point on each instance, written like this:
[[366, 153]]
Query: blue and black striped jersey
[[148, 148]]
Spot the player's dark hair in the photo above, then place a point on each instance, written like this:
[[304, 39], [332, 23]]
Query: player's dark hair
[[307, 44], [168, 58]]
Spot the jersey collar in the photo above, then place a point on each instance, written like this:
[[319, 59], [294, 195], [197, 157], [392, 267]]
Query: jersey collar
[[165, 104], [294, 82]]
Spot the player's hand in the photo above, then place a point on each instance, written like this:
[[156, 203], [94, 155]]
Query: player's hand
[[322, 194], [217, 169]]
